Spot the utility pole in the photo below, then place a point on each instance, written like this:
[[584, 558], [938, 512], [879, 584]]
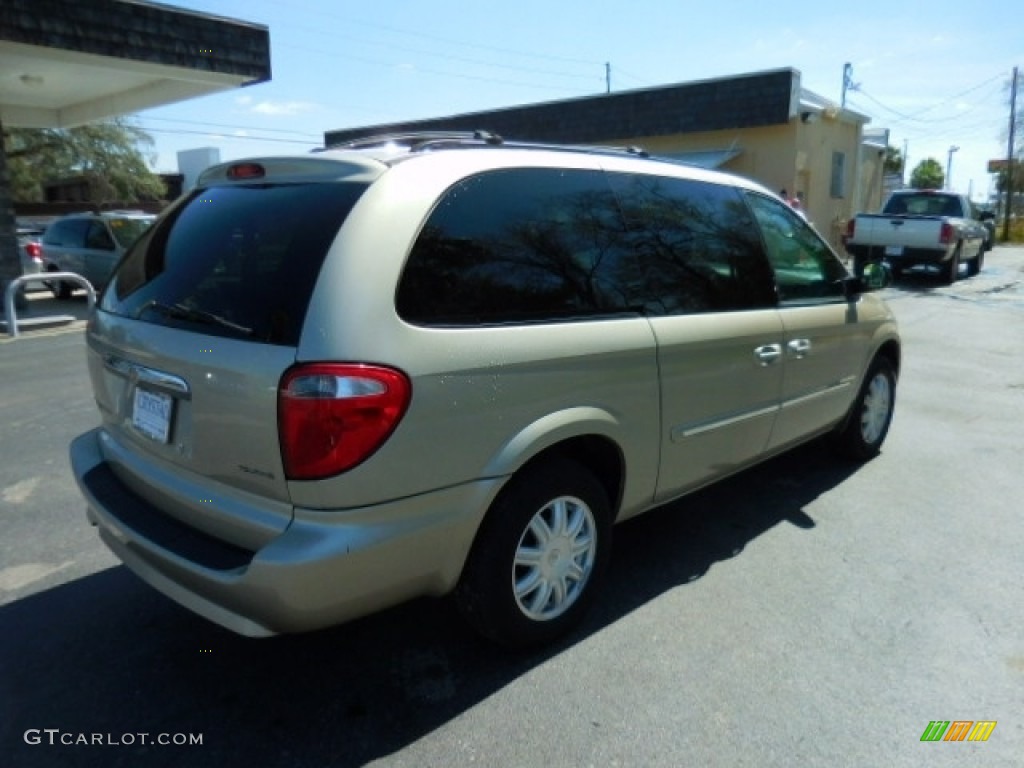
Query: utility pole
[[607, 77], [949, 166], [848, 84], [903, 175], [1009, 159]]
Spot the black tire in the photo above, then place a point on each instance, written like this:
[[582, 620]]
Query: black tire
[[60, 289], [951, 269], [518, 603], [974, 265], [862, 434]]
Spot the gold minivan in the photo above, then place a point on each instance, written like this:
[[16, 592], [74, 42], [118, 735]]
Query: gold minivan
[[433, 364]]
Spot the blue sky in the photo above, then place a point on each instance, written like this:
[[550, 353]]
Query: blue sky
[[934, 73]]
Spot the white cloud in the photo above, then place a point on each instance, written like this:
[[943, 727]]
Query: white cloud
[[283, 107], [243, 101]]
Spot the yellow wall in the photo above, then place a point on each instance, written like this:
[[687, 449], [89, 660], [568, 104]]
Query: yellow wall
[[796, 157]]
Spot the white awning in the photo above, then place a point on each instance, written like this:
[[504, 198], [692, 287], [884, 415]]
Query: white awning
[[702, 158]]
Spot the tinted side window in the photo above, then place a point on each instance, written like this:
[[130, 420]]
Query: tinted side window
[[69, 233], [236, 261], [517, 245], [694, 246], [98, 238], [126, 231], [805, 268]]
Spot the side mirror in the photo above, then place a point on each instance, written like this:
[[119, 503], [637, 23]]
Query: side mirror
[[876, 276]]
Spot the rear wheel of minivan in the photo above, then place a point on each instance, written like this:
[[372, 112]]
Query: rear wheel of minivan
[[534, 567]]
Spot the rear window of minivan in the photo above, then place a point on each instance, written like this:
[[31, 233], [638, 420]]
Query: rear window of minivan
[[238, 261]]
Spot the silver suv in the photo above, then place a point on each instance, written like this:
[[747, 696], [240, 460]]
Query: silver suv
[[90, 244], [425, 365]]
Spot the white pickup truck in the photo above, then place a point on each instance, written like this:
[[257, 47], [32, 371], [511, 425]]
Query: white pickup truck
[[921, 226]]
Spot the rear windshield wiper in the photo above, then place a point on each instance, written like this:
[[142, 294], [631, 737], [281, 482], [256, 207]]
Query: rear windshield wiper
[[183, 312]]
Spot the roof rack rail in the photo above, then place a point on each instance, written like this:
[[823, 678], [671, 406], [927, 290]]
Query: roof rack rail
[[420, 141], [589, 149]]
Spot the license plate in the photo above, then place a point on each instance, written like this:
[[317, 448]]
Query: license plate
[[894, 250], [151, 414]]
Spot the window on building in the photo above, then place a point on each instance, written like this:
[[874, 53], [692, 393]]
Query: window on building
[[838, 186]]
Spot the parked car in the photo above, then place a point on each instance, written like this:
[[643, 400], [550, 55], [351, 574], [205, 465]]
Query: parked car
[[30, 251], [921, 226], [90, 244], [425, 365]]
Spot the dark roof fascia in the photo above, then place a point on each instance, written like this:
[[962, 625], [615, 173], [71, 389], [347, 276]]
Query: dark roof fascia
[[141, 31], [744, 101]]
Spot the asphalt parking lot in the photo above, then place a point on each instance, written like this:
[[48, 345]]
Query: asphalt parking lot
[[804, 613]]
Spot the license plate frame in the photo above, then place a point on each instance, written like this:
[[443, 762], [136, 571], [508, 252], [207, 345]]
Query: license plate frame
[[152, 414]]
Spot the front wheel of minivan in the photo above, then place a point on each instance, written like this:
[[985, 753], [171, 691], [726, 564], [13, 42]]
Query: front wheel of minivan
[[534, 568], [864, 431]]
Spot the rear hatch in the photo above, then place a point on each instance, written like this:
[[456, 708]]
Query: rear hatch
[[196, 328]]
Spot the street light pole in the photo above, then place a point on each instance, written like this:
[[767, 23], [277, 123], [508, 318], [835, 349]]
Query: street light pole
[[949, 165]]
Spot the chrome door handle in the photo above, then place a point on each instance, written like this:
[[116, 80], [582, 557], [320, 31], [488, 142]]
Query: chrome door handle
[[767, 354], [799, 348]]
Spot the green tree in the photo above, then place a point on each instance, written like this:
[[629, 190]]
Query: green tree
[[1018, 179], [893, 161], [927, 174], [112, 153]]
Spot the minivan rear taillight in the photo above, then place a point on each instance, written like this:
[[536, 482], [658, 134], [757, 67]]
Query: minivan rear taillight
[[332, 416]]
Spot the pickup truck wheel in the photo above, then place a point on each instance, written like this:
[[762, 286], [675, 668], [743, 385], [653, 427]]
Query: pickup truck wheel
[[975, 264], [864, 431], [533, 569], [951, 269]]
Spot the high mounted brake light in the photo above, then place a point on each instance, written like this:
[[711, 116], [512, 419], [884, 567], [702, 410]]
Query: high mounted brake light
[[241, 171]]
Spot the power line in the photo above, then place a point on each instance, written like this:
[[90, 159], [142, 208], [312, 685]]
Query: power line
[[915, 116], [225, 125], [437, 38], [446, 56], [430, 71], [184, 131]]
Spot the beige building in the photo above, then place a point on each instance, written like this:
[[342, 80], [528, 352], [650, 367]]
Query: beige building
[[762, 125]]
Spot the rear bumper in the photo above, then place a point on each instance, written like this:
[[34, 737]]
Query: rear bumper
[[909, 257], [326, 567]]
